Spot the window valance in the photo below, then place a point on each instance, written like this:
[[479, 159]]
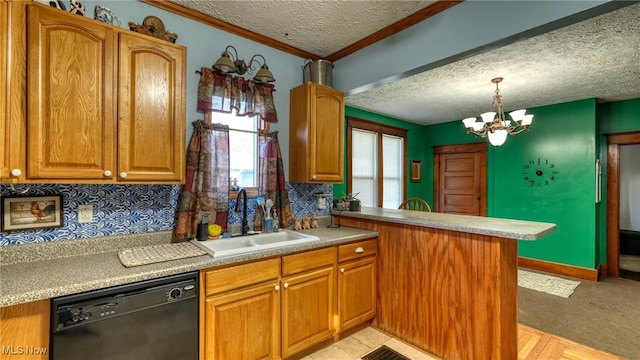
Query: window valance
[[222, 92]]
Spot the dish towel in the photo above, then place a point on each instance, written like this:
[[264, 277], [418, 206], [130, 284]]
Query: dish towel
[[158, 253]]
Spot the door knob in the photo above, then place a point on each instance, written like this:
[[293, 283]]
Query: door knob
[[123, 175], [16, 172], [107, 173]]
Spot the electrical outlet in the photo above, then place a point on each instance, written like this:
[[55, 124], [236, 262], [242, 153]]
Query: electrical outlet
[[85, 213]]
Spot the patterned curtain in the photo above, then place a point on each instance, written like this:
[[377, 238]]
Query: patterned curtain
[[205, 194], [222, 92], [272, 184]]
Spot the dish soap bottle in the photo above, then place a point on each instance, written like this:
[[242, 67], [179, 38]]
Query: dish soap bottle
[[275, 224]]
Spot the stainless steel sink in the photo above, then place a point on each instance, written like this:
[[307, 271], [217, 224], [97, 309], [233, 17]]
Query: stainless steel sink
[[250, 243]]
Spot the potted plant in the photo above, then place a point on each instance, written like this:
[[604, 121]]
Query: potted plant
[[352, 200], [340, 204]]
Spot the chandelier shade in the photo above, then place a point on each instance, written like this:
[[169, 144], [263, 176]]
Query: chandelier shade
[[494, 125]]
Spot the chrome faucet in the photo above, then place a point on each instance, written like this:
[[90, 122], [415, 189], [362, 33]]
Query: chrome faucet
[[245, 226]]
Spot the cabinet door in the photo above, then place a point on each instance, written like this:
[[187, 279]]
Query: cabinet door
[[356, 292], [24, 330], [307, 308], [327, 139], [242, 325], [4, 53], [151, 110], [70, 102], [316, 134], [13, 85]]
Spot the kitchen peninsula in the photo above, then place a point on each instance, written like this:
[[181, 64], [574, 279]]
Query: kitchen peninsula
[[448, 283], [445, 283]]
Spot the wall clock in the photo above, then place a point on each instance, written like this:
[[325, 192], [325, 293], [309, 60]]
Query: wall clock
[[540, 172]]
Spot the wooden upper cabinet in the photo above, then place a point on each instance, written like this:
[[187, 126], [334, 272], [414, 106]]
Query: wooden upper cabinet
[[151, 109], [70, 113], [4, 53], [105, 104], [12, 89], [316, 134]]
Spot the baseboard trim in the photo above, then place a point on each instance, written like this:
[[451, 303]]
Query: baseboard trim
[[558, 269]]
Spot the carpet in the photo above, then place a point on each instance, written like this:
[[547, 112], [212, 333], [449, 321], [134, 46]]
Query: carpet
[[547, 284]]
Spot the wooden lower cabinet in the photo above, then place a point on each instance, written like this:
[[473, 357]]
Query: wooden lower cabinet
[[356, 292], [243, 324], [277, 308], [24, 331], [240, 312], [307, 310]]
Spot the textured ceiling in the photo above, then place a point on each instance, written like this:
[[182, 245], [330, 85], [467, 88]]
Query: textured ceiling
[[320, 27], [596, 58]]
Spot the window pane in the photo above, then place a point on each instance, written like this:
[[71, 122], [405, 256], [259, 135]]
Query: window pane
[[236, 122], [243, 147], [393, 158], [242, 160], [364, 166]]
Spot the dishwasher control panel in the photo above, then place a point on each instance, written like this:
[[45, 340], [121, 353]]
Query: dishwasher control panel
[[82, 309]]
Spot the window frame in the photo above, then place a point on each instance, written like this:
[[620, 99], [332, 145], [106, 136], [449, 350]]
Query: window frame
[[262, 128], [380, 129]]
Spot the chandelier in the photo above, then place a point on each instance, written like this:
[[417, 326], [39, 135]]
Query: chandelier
[[495, 125]]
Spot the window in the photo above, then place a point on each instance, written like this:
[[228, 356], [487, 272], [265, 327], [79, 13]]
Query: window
[[377, 163], [243, 148]]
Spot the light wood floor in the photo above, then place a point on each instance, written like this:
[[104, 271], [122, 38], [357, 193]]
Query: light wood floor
[[532, 345], [537, 345]]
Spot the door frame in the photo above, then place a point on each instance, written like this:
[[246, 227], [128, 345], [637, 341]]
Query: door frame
[[480, 147], [613, 196]]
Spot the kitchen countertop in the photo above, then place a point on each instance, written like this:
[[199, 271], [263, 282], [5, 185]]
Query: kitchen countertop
[[505, 228], [41, 271]]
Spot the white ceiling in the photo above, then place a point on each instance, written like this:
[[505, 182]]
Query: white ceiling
[[596, 58]]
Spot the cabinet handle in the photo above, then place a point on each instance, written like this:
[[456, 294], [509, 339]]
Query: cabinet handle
[[107, 173], [277, 288], [313, 177], [359, 250], [123, 175], [16, 172], [286, 285], [342, 270]]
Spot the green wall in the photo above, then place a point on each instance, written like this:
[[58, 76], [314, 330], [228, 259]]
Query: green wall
[[563, 134], [615, 117], [568, 135]]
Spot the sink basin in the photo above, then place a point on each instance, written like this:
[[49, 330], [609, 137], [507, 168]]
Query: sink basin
[[250, 243]]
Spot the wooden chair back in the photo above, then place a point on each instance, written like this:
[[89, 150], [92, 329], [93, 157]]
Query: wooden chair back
[[416, 204]]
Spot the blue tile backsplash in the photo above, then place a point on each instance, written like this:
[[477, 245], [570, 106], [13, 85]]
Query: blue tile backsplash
[[131, 209]]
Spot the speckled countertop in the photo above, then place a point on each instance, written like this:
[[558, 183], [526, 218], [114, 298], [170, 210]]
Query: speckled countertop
[[506, 228], [41, 271]]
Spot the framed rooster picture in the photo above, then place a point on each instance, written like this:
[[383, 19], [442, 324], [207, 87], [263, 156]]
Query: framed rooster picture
[[31, 212]]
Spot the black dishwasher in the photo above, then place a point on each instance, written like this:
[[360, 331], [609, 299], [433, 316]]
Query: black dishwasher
[[154, 319]]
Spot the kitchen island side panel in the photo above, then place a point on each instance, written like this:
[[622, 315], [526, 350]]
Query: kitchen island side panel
[[451, 293]]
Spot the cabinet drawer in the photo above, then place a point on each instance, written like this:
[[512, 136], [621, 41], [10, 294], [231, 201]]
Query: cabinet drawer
[[221, 280], [292, 264], [357, 250]]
